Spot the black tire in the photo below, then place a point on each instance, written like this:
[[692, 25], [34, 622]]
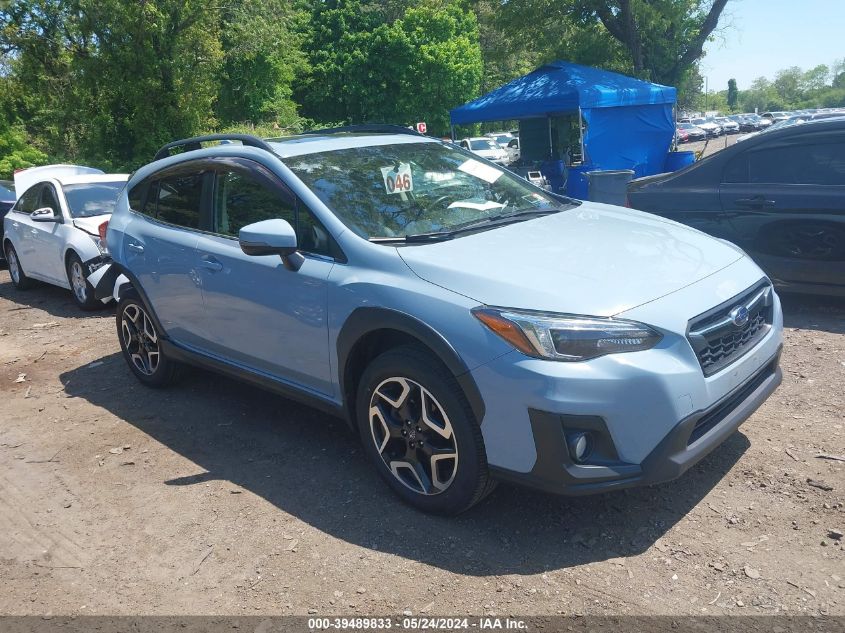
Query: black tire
[[140, 344], [19, 278], [80, 288], [469, 478]]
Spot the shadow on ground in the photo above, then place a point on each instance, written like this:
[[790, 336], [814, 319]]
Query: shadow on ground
[[56, 301], [810, 312], [240, 434]]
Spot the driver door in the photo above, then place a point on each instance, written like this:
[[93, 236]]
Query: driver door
[[49, 238], [258, 313]]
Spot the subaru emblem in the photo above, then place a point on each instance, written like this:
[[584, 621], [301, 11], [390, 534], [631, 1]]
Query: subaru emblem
[[739, 316]]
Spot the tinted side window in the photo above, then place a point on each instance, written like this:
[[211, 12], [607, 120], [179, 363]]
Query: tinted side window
[[29, 200], [737, 169], [808, 164], [49, 200], [179, 200], [138, 196], [240, 200]]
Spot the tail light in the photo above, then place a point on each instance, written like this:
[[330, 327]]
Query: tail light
[[102, 229]]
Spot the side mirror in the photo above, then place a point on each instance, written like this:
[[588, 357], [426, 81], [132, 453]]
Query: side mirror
[[271, 237], [45, 214]]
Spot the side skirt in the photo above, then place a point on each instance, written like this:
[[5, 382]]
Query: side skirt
[[189, 357]]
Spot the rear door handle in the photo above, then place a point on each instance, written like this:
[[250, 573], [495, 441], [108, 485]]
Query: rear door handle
[[757, 202], [210, 263], [135, 248]]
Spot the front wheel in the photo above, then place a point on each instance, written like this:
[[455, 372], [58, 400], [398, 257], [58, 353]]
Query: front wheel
[[140, 343], [419, 430], [83, 291]]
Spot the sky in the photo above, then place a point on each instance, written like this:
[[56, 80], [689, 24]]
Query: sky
[[760, 37]]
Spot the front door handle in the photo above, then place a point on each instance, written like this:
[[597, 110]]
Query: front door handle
[[135, 248], [209, 263], [757, 202]]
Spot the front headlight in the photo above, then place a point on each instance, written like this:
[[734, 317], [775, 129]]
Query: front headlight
[[566, 337]]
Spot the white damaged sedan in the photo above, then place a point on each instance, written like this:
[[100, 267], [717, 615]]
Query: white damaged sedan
[[52, 234]]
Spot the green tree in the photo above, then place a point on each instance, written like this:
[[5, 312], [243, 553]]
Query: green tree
[[17, 151], [664, 38], [733, 94], [262, 55], [109, 81], [366, 64]]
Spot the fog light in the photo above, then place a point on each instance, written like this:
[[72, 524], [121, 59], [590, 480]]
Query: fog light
[[580, 445]]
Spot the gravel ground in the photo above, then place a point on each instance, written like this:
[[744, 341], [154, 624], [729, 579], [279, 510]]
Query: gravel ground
[[710, 146], [212, 497]]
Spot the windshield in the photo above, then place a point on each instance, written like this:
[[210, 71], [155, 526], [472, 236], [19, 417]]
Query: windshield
[[482, 143], [394, 191], [93, 198], [503, 139]]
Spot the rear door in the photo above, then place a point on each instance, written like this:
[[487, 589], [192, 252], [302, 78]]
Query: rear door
[[258, 313], [20, 228], [160, 248], [786, 202]]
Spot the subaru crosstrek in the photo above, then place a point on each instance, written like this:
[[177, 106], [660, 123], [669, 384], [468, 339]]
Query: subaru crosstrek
[[471, 326]]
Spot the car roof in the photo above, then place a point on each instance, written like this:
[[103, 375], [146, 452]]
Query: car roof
[[303, 144]]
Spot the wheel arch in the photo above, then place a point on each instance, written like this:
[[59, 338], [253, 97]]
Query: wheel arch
[[369, 332]]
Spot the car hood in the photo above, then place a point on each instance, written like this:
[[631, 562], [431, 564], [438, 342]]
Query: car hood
[[594, 259], [91, 224]]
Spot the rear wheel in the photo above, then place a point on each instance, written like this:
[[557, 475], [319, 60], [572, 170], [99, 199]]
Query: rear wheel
[[418, 429], [83, 292], [19, 278], [140, 344]]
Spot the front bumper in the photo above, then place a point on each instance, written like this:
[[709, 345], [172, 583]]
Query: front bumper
[[686, 444]]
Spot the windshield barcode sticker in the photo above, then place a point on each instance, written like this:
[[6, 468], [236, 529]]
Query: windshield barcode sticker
[[397, 178]]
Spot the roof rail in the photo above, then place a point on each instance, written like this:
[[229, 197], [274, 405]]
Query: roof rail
[[194, 143], [367, 127]]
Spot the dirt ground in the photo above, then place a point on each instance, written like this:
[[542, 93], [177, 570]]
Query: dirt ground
[[213, 497], [710, 146]]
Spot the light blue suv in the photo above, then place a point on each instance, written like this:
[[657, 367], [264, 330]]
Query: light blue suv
[[471, 326]]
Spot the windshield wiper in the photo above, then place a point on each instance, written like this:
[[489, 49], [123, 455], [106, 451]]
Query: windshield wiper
[[434, 236], [488, 222], [502, 218]]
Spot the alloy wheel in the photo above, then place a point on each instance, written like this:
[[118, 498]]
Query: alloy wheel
[[78, 282], [14, 265], [140, 339], [413, 435]]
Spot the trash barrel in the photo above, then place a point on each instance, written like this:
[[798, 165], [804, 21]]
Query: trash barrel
[[576, 181], [611, 186], [678, 160]]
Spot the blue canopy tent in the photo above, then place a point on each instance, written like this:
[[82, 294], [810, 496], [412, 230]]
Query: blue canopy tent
[[629, 123]]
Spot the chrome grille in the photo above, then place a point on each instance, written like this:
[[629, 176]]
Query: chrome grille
[[718, 340]]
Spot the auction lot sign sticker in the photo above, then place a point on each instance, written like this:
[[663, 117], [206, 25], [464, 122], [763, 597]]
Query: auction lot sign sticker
[[316, 623], [398, 179]]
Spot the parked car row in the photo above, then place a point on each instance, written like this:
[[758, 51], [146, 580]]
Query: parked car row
[[718, 126], [797, 119], [471, 326]]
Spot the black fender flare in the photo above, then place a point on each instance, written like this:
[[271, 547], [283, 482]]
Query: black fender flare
[[364, 320], [134, 289]]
